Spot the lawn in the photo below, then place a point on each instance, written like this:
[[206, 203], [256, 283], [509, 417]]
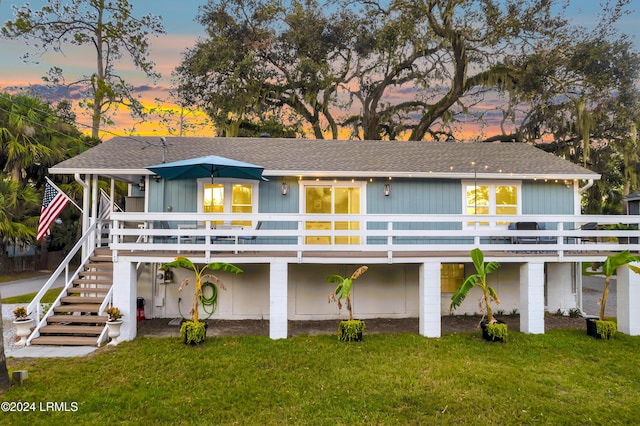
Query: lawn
[[49, 297], [562, 377]]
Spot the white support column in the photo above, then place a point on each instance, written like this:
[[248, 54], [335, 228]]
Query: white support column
[[628, 301], [125, 286], [532, 298], [430, 311], [278, 299]]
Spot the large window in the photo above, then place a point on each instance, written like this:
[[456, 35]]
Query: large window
[[227, 197], [332, 198], [491, 199], [451, 277]]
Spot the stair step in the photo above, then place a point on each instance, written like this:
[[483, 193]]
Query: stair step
[[65, 341], [77, 319], [82, 299], [102, 260], [99, 265], [93, 330], [97, 290], [96, 273], [93, 281], [79, 307]]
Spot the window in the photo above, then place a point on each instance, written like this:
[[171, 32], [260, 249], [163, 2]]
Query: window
[[451, 277], [321, 198], [227, 197], [491, 199]]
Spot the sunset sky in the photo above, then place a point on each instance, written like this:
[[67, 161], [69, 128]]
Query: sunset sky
[[181, 33]]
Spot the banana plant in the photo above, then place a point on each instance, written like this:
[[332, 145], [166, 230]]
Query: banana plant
[[479, 279], [609, 268], [343, 289], [183, 262]]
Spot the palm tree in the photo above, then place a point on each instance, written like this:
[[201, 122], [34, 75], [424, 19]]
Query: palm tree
[[17, 225], [609, 268], [27, 135], [343, 289], [479, 279], [5, 382], [15, 200]]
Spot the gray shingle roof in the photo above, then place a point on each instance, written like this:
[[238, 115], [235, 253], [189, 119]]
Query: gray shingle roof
[[310, 157]]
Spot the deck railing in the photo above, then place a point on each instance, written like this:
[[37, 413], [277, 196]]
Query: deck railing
[[393, 234]]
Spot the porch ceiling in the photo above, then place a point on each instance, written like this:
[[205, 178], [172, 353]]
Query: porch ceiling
[[126, 157]]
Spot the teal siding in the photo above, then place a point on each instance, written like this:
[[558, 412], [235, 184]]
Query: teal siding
[[546, 198], [413, 196], [181, 195], [272, 201]]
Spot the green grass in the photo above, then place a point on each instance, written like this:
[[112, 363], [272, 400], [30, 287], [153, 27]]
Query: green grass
[[49, 297], [562, 377], [22, 275]]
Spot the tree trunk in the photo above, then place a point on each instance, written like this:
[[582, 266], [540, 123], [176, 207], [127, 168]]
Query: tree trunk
[[605, 294], [5, 382]]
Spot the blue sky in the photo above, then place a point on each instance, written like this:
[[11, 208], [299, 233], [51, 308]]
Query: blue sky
[[182, 31]]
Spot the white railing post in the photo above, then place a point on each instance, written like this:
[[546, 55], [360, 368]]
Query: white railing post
[[390, 242], [560, 239]]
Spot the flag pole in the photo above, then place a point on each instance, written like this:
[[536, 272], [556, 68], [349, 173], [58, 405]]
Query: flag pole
[[61, 191]]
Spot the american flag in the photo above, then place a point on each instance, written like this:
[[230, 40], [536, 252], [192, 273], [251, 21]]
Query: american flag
[[53, 203]]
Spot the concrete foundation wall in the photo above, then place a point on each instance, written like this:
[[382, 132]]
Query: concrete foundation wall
[[384, 291]]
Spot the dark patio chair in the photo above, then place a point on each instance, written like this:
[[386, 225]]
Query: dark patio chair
[[164, 239], [244, 239], [546, 239], [527, 226]]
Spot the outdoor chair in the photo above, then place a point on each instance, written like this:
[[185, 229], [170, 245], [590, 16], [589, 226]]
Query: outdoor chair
[[245, 239], [527, 226], [165, 239]]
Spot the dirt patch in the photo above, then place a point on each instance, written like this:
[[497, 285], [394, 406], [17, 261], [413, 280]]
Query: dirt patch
[[160, 327]]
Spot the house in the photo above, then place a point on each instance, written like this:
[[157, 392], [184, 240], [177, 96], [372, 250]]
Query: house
[[411, 211]]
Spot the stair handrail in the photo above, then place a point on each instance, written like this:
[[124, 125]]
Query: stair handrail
[[106, 302], [64, 266], [108, 299]]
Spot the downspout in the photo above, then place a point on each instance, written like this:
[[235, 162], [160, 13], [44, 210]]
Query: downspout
[[587, 186], [85, 203], [578, 266]]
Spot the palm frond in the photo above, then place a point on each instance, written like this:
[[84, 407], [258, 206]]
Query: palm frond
[[491, 266], [335, 279], [493, 295], [361, 270], [478, 260], [222, 266], [460, 294]]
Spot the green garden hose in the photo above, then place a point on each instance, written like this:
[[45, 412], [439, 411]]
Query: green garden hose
[[209, 304], [209, 301]]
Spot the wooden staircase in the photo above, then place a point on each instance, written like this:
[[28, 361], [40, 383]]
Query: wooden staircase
[[75, 321]]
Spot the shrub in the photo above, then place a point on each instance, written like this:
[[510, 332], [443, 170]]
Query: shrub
[[351, 330], [193, 333]]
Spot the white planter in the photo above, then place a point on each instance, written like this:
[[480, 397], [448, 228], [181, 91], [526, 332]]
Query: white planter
[[23, 329], [114, 331]]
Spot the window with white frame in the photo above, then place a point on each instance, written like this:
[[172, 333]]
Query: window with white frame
[[328, 198], [227, 196], [492, 198]]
